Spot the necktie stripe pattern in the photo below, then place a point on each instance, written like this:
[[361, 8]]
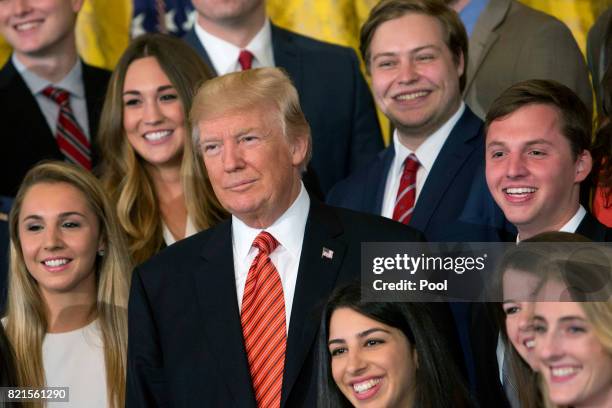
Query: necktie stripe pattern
[[69, 136], [263, 324], [245, 59], [406, 193]]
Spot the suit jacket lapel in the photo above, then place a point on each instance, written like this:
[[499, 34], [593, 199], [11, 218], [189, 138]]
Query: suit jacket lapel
[[378, 177], [23, 103], [484, 36], [316, 279], [590, 228], [216, 288], [287, 56], [453, 155], [192, 39]]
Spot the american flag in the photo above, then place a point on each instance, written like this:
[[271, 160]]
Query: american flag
[[164, 16]]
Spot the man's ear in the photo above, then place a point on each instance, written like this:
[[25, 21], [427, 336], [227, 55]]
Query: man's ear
[[299, 149], [77, 5], [584, 164]]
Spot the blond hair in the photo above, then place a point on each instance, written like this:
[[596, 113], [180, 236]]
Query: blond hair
[[239, 91], [26, 323]]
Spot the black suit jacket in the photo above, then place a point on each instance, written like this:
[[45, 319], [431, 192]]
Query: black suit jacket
[[185, 338], [594, 230], [455, 203], [335, 99], [27, 137]]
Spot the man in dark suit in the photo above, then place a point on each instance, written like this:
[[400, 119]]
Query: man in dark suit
[[416, 53], [537, 140], [333, 93], [190, 333], [44, 54], [537, 153]]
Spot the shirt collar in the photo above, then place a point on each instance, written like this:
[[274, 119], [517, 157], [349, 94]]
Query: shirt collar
[[72, 82], [288, 229], [471, 12], [428, 151], [224, 55], [571, 226]]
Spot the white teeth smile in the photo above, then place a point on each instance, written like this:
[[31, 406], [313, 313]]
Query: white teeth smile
[[411, 96], [154, 136], [56, 262], [564, 371], [520, 190], [530, 344], [366, 385], [27, 26]]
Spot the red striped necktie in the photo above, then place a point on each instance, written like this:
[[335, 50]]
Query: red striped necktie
[[69, 135], [406, 193], [245, 59], [263, 324]]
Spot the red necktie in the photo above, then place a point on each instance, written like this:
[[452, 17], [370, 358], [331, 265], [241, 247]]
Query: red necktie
[[263, 324], [406, 193], [69, 136], [245, 59]]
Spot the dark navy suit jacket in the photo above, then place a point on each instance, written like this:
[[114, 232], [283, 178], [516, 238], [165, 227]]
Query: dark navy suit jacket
[[454, 204], [335, 99], [185, 340], [27, 138]]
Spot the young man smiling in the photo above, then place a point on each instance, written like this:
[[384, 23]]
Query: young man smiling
[[43, 74], [431, 177], [537, 140]]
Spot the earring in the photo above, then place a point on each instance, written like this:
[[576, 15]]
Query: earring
[[101, 252]]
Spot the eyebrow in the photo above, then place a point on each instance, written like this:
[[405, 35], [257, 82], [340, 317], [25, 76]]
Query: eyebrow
[[413, 51], [564, 319], [159, 89], [364, 333], [61, 215], [530, 143]]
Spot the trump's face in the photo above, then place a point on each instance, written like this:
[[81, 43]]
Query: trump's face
[[252, 165]]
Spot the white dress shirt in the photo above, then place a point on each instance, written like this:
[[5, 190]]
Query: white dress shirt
[[288, 230], [570, 226], [224, 55], [426, 154], [72, 82]]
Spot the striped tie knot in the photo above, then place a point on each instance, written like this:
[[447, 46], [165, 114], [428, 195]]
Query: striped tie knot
[[265, 242], [59, 95], [245, 59], [411, 164]]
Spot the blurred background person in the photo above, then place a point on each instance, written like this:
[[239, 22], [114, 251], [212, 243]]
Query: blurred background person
[[158, 184], [511, 42], [51, 100], [387, 354], [69, 275], [573, 336], [601, 177], [238, 35]]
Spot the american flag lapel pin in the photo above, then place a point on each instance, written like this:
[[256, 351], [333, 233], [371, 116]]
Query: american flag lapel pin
[[327, 253]]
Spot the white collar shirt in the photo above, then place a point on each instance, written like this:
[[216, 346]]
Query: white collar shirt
[[570, 226], [288, 230], [72, 82], [224, 55], [426, 154]]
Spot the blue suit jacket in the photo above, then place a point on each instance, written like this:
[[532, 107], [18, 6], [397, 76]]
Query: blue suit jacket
[[454, 204], [335, 99]]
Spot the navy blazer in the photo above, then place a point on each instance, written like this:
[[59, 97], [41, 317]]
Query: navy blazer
[[185, 339], [335, 99], [454, 204], [27, 137]]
